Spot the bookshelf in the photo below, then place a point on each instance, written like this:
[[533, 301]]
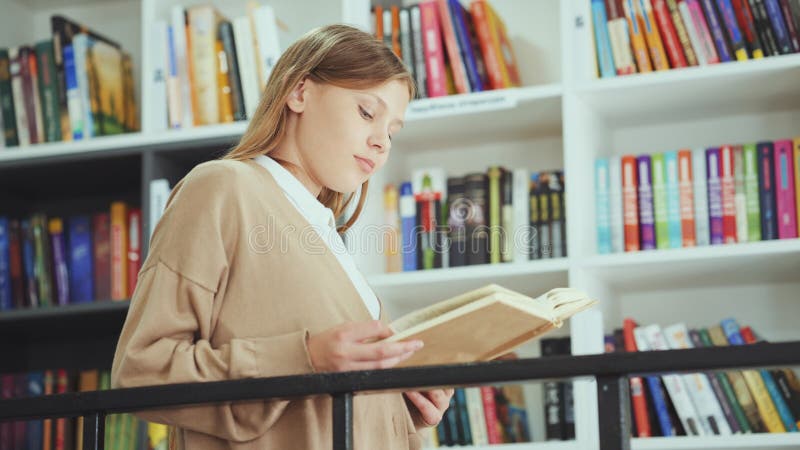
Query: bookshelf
[[563, 117]]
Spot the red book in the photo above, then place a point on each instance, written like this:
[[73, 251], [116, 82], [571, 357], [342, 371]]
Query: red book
[[480, 16], [748, 335], [101, 242], [630, 203], [637, 386], [728, 183], [63, 434], [668, 34], [451, 44], [686, 196], [47, 424], [134, 247], [432, 49], [746, 23], [490, 414], [15, 263]]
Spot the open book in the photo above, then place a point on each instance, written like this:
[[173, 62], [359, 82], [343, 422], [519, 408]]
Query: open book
[[484, 323]]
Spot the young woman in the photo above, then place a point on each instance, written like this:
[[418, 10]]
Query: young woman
[[246, 275]]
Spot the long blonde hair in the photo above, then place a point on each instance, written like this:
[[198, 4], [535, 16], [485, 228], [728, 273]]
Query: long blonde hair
[[336, 54]]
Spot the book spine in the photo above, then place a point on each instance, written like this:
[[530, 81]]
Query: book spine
[[456, 223], [47, 91], [134, 256], [101, 246], [715, 217], [30, 94], [405, 40], [396, 46], [796, 159], [716, 386], [61, 274], [790, 396], [80, 258], [434, 54], [451, 46], [119, 251], [246, 60], [420, 71], [495, 201], [521, 204], [750, 157], [633, 16], [7, 101], [728, 190], [766, 190], [782, 37], [232, 62], [763, 27], [727, 388], [602, 205], [630, 203], [535, 218], [686, 198], [621, 46], [647, 217], [742, 233], [615, 204], [748, 28], [785, 190], [6, 295], [658, 178], [545, 218], [43, 259], [673, 199], [792, 24], [717, 32], [80, 46], [735, 36], [657, 394], [15, 264], [672, 43], [703, 33], [477, 424], [636, 385], [492, 59], [490, 415], [29, 264], [605, 60], [174, 104], [681, 30], [74, 105], [558, 230]]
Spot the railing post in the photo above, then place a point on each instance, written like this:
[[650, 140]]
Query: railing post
[[94, 431], [613, 410], [343, 421]]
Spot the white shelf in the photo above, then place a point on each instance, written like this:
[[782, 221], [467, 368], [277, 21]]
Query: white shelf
[[404, 291], [761, 441], [753, 262], [765, 85], [482, 117]]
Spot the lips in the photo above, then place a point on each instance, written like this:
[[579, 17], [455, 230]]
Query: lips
[[366, 164]]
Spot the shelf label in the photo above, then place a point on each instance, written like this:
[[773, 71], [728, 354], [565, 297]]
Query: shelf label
[[459, 104]]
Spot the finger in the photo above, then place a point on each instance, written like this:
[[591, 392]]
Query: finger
[[379, 364], [430, 414], [360, 331], [383, 350]]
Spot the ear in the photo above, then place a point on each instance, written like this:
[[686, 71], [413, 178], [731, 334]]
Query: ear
[[298, 97]]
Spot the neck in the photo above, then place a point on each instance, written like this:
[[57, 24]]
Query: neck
[[288, 155]]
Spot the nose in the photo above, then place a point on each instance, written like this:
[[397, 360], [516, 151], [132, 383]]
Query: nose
[[380, 141]]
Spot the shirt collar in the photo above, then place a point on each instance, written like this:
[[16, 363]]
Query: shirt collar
[[314, 211]]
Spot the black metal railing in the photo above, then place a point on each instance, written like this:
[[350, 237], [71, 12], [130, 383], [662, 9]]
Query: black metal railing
[[610, 371]]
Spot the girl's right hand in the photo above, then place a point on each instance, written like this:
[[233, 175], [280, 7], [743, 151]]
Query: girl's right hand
[[356, 346]]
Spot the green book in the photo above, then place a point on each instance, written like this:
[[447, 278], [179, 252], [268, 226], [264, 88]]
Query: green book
[[727, 388], [751, 193], [495, 203], [658, 177], [7, 101], [48, 90]]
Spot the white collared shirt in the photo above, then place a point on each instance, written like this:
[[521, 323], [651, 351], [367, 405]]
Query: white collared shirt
[[321, 219]]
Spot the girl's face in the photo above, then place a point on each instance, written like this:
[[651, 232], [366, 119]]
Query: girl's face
[[343, 136]]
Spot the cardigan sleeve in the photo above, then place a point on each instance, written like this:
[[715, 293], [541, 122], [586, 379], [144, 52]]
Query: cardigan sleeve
[[165, 338]]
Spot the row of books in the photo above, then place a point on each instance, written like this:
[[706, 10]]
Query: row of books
[[122, 431], [435, 221], [448, 48], [711, 402], [688, 198], [46, 262], [75, 85], [209, 69], [644, 35], [483, 415]]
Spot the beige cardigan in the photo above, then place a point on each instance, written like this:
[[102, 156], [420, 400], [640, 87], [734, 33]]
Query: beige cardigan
[[233, 282]]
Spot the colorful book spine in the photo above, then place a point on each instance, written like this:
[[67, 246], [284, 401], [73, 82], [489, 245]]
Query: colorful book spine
[[471, 60], [450, 40], [686, 196], [785, 190], [748, 28], [766, 191], [43, 259], [615, 204], [652, 36], [119, 251], [796, 159], [493, 60], [6, 296], [742, 232], [715, 221], [705, 37], [620, 38], [672, 43], [60, 272], [630, 203], [134, 256], [80, 260], [717, 30], [48, 93], [750, 157], [735, 36], [681, 30], [701, 218], [728, 190], [637, 36], [673, 199], [763, 27], [647, 224], [638, 398], [74, 105], [605, 60], [725, 384], [792, 23], [408, 215], [657, 393], [782, 37], [434, 53], [603, 206], [716, 386], [659, 187]]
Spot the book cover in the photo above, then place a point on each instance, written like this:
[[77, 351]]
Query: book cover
[[714, 186], [637, 38], [734, 34], [716, 27], [659, 183], [630, 203], [766, 191], [647, 227], [785, 201], [673, 199], [682, 32], [672, 44], [652, 36], [432, 45], [728, 190], [686, 198], [744, 16], [706, 39], [750, 157]]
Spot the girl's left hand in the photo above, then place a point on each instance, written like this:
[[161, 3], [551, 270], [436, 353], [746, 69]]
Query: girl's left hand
[[430, 406]]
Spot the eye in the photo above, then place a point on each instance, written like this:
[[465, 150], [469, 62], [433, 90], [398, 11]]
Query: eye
[[364, 113]]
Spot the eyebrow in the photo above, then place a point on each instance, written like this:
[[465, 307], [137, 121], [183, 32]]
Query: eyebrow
[[383, 103]]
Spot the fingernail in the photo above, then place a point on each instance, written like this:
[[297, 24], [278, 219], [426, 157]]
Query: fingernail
[[418, 344]]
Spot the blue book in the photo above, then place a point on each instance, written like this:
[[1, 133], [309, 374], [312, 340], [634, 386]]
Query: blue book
[[673, 199], [463, 416], [408, 219], [714, 187], [6, 296], [715, 26], [80, 255], [782, 38], [73, 93], [603, 202], [605, 59], [172, 63], [660, 403], [461, 26], [738, 45], [29, 263], [35, 428]]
